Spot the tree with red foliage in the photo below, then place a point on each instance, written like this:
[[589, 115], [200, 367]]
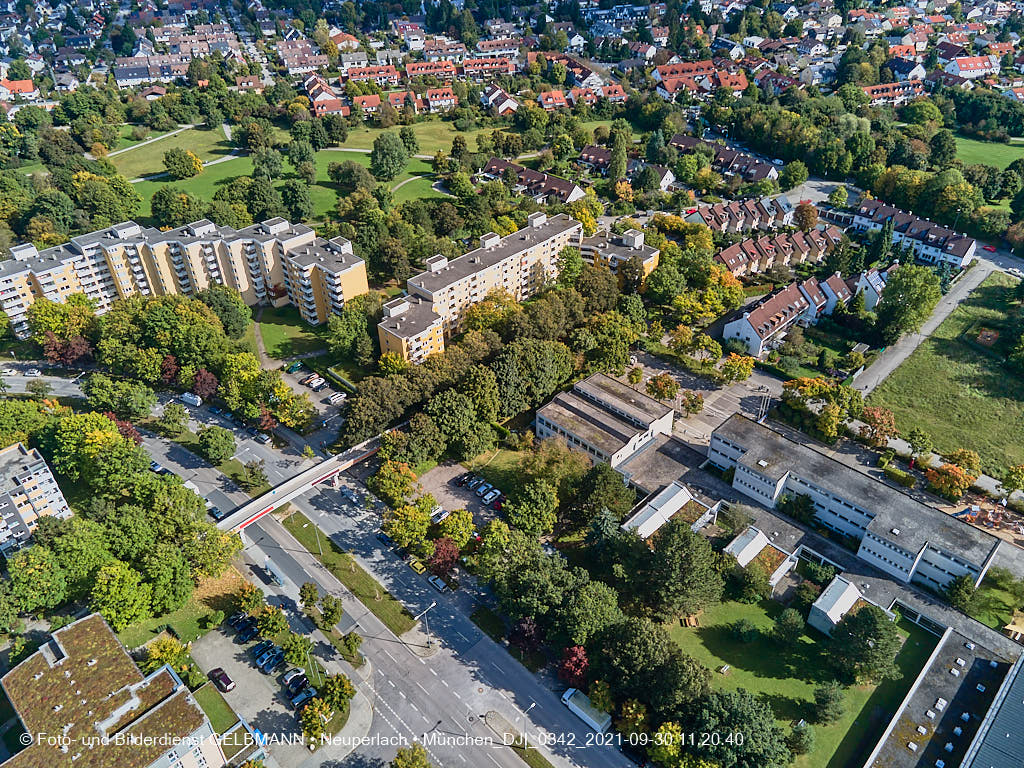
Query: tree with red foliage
[[125, 427], [949, 481], [526, 635], [68, 352], [574, 667], [205, 384], [169, 369], [446, 554], [879, 426], [267, 421], [53, 348]]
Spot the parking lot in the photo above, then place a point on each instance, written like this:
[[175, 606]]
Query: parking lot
[[258, 698], [440, 482]]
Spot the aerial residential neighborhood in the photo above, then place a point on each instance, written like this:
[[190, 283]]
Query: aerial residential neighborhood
[[561, 385]]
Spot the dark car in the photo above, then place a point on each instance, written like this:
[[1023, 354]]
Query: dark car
[[237, 618], [252, 431], [384, 539], [296, 366], [275, 660], [260, 648], [217, 513], [215, 410], [248, 632], [296, 684], [267, 653], [462, 479], [303, 696], [221, 680]]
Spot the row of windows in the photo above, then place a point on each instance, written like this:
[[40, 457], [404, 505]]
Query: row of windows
[[879, 556]]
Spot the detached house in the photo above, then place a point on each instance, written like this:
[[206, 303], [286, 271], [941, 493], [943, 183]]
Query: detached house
[[973, 67]]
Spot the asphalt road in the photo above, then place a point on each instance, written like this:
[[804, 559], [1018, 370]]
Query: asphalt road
[[446, 693]]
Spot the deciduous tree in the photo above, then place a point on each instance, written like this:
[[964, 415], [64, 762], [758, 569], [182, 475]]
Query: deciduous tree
[[865, 644]]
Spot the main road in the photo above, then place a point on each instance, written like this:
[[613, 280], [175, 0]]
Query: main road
[[465, 676]]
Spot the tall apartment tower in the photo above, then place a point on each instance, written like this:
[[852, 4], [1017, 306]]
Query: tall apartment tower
[[273, 262], [27, 493]]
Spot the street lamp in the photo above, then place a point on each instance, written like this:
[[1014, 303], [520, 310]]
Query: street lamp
[[426, 624]]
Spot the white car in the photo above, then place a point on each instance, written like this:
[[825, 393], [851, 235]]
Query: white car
[[7, 372], [314, 383], [1015, 272], [33, 372]]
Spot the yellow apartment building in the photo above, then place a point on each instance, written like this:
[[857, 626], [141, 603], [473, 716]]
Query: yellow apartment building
[[274, 262], [27, 493]]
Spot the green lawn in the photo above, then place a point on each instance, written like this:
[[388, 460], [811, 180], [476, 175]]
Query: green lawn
[[972, 152], [961, 396], [500, 468], [432, 135], [381, 603], [285, 333], [127, 140], [417, 189], [996, 599], [787, 679], [207, 144], [222, 717]]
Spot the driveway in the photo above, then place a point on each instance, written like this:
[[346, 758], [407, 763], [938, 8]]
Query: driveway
[[891, 357]]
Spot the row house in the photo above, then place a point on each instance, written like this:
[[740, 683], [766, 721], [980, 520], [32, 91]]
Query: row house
[[595, 158], [931, 243], [501, 48], [580, 75], [442, 70], [133, 71], [381, 75], [763, 326], [304, 63], [496, 98], [322, 98], [684, 69], [728, 161], [542, 187], [351, 60], [368, 104], [400, 100], [441, 99], [444, 50], [756, 255], [973, 67], [894, 94], [482, 69], [743, 215], [552, 100]]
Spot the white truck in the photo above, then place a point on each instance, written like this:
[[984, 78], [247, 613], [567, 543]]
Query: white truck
[[579, 704], [191, 399]]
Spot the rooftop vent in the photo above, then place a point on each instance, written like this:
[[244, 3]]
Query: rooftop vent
[[895, 531], [762, 463], [912, 746], [960, 662], [922, 730], [954, 672]]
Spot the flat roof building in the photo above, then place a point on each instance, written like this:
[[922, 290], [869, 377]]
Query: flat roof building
[[604, 418], [274, 262], [893, 531], [675, 500], [27, 493], [83, 685]]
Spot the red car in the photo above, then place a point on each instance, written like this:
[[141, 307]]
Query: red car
[[989, 248], [221, 680]]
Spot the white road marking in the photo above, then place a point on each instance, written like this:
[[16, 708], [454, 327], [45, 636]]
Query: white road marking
[[433, 673]]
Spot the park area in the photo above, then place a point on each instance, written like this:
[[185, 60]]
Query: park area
[[956, 386], [996, 153], [786, 678], [206, 143]]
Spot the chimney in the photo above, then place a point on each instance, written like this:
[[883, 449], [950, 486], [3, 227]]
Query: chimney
[[491, 239], [536, 219], [438, 262]]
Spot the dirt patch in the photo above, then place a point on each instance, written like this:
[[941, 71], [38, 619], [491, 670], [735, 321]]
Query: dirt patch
[[221, 593], [987, 337]]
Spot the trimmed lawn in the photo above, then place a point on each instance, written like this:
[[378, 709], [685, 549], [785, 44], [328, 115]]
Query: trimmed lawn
[[189, 622], [126, 139], [995, 600], [222, 717], [500, 468], [787, 679], [370, 593], [417, 189], [202, 186], [432, 135], [285, 333], [972, 152], [207, 144], [960, 395]]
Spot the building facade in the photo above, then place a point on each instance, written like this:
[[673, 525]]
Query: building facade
[[272, 262], [27, 493], [904, 538], [520, 264]]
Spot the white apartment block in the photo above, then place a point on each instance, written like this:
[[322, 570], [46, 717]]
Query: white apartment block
[[272, 262], [27, 493], [908, 540]]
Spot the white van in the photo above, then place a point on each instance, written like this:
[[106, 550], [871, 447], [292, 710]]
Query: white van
[[191, 399], [314, 383]]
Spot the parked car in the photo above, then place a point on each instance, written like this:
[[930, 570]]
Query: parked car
[[294, 367], [265, 656], [155, 467], [294, 680], [474, 482], [248, 632], [416, 565], [337, 397], [384, 539], [989, 248], [491, 496], [315, 382], [309, 378], [33, 372], [190, 398], [215, 410], [483, 490], [274, 663], [439, 584], [321, 386], [1016, 272], [263, 438], [218, 514], [439, 513], [260, 648], [251, 431], [237, 618], [303, 696], [462, 479], [220, 678]]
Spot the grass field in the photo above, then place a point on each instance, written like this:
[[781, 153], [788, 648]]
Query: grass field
[[189, 621], [206, 144], [370, 593], [127, 140], [431, 135], [222, 717], [958, 394], [972, 151], [787, 679], [500, 468], [285, 333], [996, 598]]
